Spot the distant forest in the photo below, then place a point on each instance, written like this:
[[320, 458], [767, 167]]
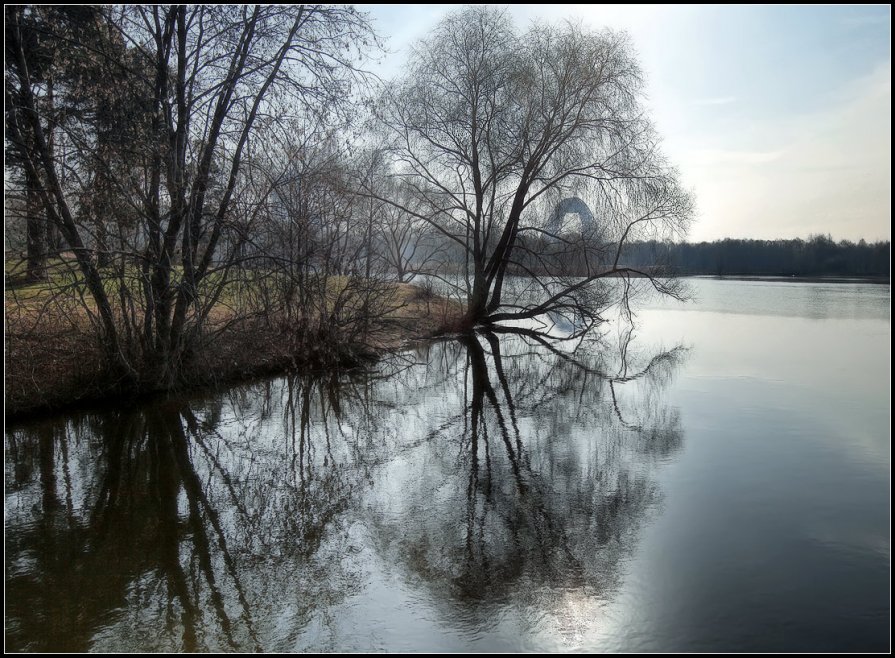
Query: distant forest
[[817, 256]]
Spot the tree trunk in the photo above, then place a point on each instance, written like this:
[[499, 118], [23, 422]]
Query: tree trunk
[[103, 256], [35, 229], [477, 311], [53, 238]]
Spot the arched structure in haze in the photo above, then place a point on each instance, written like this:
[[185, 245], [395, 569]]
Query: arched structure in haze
[[572, 204]]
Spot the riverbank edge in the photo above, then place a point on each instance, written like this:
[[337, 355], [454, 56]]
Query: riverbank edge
[[236, 359]]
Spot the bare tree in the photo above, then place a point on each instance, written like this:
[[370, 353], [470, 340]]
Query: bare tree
[[208, 80], [492, 129], [49, 65], [407, 244]]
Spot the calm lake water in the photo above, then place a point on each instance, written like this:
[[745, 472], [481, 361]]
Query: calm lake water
[[721, 482]]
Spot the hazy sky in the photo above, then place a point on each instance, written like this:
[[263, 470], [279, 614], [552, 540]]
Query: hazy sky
[[779, 118]]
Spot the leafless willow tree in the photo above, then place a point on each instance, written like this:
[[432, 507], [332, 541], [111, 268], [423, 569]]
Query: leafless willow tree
[[492, 128], [200, 84]]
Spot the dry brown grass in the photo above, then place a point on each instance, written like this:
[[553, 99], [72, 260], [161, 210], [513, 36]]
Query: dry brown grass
[[54, 360], [51, 357], [418, 314]]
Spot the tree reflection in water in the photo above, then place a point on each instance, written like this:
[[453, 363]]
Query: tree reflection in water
[[495, 469], [539, 485]]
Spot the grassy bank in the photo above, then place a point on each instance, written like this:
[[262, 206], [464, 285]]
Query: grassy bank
[[54, 360]]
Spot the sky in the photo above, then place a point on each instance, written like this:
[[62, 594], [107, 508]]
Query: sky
[[778, 118]]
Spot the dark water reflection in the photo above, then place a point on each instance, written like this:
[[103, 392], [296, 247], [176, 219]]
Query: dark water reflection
[[480, 494]]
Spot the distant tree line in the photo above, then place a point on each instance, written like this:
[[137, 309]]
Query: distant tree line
[[819, 255]]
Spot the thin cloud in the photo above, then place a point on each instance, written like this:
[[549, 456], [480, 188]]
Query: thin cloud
[[865, 20], [828, 171], [712, 157], [720, 100]]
